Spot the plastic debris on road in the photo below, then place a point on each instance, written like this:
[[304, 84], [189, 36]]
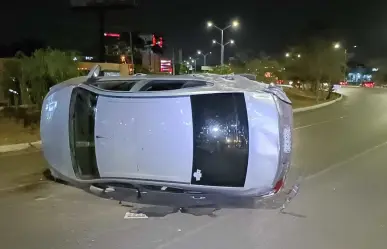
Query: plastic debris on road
[[130, 215]]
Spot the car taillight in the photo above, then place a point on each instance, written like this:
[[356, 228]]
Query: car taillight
[[280, 183]]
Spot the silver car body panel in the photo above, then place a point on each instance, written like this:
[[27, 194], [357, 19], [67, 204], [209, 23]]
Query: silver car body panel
[[147, 138]]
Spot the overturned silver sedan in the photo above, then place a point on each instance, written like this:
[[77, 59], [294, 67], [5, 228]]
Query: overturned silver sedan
[[171, 140]]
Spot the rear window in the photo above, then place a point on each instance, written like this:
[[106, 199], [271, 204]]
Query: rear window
[[167, 85]]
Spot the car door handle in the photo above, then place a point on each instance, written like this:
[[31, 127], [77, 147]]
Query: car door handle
[[99, 136]]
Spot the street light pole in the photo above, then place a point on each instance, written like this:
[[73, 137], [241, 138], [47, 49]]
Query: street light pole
[[222, 49], [345, 65], [204, 56], [222, 45], [337, 46], [193, 60]]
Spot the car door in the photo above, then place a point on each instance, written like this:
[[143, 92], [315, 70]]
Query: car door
[[115, 138], [145, 138], [164, 138]]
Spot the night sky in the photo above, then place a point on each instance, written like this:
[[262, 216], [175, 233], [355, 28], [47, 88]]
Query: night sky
[[270, 26]]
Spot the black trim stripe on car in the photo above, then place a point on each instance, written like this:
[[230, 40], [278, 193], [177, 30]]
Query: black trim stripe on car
[[221, 139]]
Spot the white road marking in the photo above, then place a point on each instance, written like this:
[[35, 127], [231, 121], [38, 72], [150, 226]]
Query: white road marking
[[319, 123], [338, 164], [19, 152], [43, 198]]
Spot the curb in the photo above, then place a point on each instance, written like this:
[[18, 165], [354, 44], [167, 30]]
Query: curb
[[38, 144], [22, 146], [314, 107]]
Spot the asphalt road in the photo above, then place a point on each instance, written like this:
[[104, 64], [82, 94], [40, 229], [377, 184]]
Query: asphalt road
[[341, 150]]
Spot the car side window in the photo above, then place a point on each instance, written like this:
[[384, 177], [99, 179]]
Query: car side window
[[166, 85], [121, 86]]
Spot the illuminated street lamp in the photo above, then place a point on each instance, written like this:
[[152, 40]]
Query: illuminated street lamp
[[287, 55], [193, 60], [234, 24], [336, 45], [204, 56]]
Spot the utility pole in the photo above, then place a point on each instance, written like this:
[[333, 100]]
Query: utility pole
[[131, 51], [101, 17], [173, 61], [222, 49]]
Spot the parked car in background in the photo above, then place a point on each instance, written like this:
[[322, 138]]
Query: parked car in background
[[368, 84]]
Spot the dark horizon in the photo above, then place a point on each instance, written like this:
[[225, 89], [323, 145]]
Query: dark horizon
[[268, 26]]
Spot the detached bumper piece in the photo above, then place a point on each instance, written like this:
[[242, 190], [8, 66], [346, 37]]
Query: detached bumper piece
[[162, 196]]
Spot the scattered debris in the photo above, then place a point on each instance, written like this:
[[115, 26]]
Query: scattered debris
[[130, 215]]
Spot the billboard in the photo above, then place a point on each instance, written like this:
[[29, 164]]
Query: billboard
[[166, 66], [103, 3], [207, 68]]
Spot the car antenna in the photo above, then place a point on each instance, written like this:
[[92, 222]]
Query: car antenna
[[94, 73]]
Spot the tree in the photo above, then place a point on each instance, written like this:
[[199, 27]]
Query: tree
[[237, 69], [319, 62], [183, 69], [10, 84], [267, 70], [43, 69], [225, 69]]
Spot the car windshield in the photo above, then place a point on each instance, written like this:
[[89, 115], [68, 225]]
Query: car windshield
[[145, 124]]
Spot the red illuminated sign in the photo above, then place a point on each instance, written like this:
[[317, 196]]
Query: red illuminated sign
[[153, 40], [112, 35], [165, 66], [157, 42], [161, 42]]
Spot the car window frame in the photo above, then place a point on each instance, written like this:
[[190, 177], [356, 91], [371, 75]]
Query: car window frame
[[170, 81], [95, 85]]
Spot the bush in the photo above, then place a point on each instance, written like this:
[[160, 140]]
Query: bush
[[29, 117], [31, 77], [9, 112]]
